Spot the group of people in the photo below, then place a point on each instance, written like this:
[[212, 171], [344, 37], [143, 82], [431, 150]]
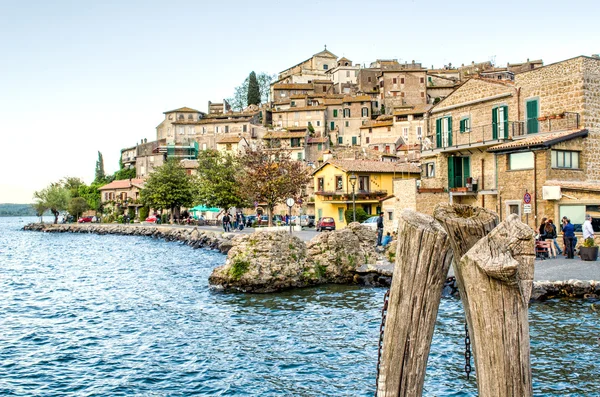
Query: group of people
[[547, 231], [233, 222]]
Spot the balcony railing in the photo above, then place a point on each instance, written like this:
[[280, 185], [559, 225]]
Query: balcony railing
[[345, 196], [474, 136], [551, 123]]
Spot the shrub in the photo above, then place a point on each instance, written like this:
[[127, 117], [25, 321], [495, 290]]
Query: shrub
[[144, 211], [361, 215], [120, 219], [239, 267], [589, 242]]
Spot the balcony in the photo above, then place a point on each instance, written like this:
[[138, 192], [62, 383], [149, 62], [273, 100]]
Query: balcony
[[474, 138], [550, 123], [340, 196]]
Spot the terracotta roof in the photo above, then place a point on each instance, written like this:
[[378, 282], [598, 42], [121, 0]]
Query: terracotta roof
[[318, 140], [417, 109], [544, 140], [384, 117], [229, 139], [293, 86], [231, 114], [284, 135], [376, 124], [183, 110], [358, 98], [123, 184], [298, 96], [575, 185], [333, 101], [323, 81], [373, 166], [392, 140], [300, 109], [300, 128]]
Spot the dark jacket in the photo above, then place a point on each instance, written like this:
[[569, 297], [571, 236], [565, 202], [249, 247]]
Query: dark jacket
[[569, 230], [380, 222], [542, 231]]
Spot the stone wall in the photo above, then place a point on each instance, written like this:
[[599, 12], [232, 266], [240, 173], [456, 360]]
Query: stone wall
[[591, 116], [410, 92]]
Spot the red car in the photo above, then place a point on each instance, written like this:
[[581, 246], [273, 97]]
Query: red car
[[151, 219], [325, 224], [85, 219]]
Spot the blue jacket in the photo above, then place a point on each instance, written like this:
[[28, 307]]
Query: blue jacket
[[386, 240], [569, 230]]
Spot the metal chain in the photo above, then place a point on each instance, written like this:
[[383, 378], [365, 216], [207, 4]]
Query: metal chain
[[467, 351], [381, 331]]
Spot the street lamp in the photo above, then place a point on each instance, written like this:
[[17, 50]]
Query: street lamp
[[353, 183]]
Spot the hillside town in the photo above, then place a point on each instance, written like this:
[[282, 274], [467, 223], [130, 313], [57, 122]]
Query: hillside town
[[517, 139]]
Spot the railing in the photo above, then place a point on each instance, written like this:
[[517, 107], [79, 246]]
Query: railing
[[551, 123], [359, 194], [472, 136]]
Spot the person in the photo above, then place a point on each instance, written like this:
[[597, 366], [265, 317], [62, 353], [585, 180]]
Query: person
[[379, 228], [387, 239], [569, 232], [554, 234], [542, 230], [563, 222], [588, 230], [225, 221], [550, 232], [240, 221]]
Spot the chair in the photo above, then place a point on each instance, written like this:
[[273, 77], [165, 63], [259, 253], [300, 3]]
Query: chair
[[542, 249]]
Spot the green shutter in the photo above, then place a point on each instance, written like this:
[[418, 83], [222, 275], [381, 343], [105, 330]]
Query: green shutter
[[332, 126], [450, 172], [340, 140], [334, 112], [449, 131], [532, 115], [495, 123], [466, 169], [505, 121], [462, 126], [438, 133], [320, 146], [353, 140]]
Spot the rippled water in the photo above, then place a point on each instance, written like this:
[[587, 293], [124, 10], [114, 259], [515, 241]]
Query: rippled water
[[131, 316]]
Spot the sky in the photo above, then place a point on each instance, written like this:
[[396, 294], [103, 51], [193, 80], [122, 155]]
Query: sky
[[78, 77]]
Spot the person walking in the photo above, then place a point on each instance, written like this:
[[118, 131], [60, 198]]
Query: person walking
[[587, 229], [554, 234], [226, 220], [542, 230], [569, 232], [379, 228]]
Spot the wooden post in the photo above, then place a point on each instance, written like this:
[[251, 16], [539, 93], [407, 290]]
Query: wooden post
[[498, 277], [423, 258]]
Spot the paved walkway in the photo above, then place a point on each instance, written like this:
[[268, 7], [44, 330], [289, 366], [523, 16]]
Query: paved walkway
[[562, 269]]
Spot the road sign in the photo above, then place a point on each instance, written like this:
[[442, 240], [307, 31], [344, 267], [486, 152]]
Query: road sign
[[527, 198], [300, 201], [290, 202], [527, 208]]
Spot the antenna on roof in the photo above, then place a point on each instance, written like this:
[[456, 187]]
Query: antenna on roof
[[325, 47]]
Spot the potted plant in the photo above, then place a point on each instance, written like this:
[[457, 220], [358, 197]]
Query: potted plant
[[543, 118], [589, 250]]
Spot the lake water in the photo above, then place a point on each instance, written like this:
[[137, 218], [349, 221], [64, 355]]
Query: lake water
[[95, 315]]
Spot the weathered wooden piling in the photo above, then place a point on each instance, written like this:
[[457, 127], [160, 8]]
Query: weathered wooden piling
[[423, 258]]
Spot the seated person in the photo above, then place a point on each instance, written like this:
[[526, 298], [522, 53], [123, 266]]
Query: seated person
[[386, 239]]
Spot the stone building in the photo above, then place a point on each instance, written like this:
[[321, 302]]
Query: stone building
[[178, 124], [346, 117], [128, 157], [402, 85], [215, 129], [492, 141], [344, 77]]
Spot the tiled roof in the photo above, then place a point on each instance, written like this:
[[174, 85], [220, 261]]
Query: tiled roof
[[374, 166], [417, 109], [376, 124], [300, 109], [123, 184], [229, 139], [284, 135], [300, 128], [224, 121], [323, 81], [539, 140], [575, 185], [297, 86], [318, 140], [358, 98], [183, 110], [298, 96], [333, 101], [391, 140], [384, 117]]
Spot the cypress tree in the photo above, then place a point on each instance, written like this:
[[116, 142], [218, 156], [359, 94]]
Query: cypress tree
[[253, 90], [99, 169]]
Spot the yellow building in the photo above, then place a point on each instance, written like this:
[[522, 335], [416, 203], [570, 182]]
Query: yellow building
[[373, 184]]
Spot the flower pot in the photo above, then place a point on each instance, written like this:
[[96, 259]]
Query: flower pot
[[588, 253], [542, 118]]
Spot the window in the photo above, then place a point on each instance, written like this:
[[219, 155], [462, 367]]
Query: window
[[365, 112], [381, 83], [299, 156], [203, 130], [217, 129], [341, 214], [319, 146], [346, 112], [363, 183], [500, 122], [387, 149], [532, 107], [325, 67], [405, 133], [394, 93], [292, 103], [335, 112], [181, 130], [394, 81], [338, 182], [576, 213], [459, 169], [354, 141], [390, 215], [181, 117], [402, 80], [318, 123], [419, 133], [465, 125], [226, 129], [422, 80], [564, 159], [191, 117], [228, 146], [244, 128], [422, 94], [429, 170], [367, 140], [402, 94], [520, 161], [324, 89], [204, 146], [368, 79], [340, 140], [443, 132], [320, 184], [332, 126], [347, 73], [295, 142], [513, 207], [347, 124]]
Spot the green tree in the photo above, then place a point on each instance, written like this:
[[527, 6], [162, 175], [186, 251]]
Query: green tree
[[216, 180], [55, 197], [361, 215], [99, 169], [40, 208], [91, 194], [168, 187], [72, 184], [124, 173], [253, 90], [270, 176], [239, 101], [77, 205]]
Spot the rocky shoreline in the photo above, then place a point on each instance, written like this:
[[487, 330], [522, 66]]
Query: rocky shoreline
[[328, 258]]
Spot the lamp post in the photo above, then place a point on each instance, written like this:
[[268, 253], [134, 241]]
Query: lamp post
[[353, 183]]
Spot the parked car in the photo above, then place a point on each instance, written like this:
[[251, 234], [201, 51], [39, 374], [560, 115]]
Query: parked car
[[264, 220], [151, 219], [307, 220], [371, 222], [325, 224], [85, 219], [250, 219]]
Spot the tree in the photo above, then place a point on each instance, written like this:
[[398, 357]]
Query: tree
[[55, 197], [216, 180], [264, 82], [239, 101], [168, 187], [77, 206], [72, 184], [124, 173], [253, 90], [40, 208], [91, 195], [361, 215], [270, 176], [99, 169]]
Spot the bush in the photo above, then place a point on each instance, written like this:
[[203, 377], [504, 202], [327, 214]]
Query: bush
[[589, 242], [131, 212], [120, 219], [143, 213], [361, 215], [108, 219]]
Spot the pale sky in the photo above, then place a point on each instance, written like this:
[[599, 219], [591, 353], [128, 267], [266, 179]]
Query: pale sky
[[81, 76]]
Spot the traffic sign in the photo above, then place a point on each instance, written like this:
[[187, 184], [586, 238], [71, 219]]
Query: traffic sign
[[290, 202], [527, 208], [527, 198]]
